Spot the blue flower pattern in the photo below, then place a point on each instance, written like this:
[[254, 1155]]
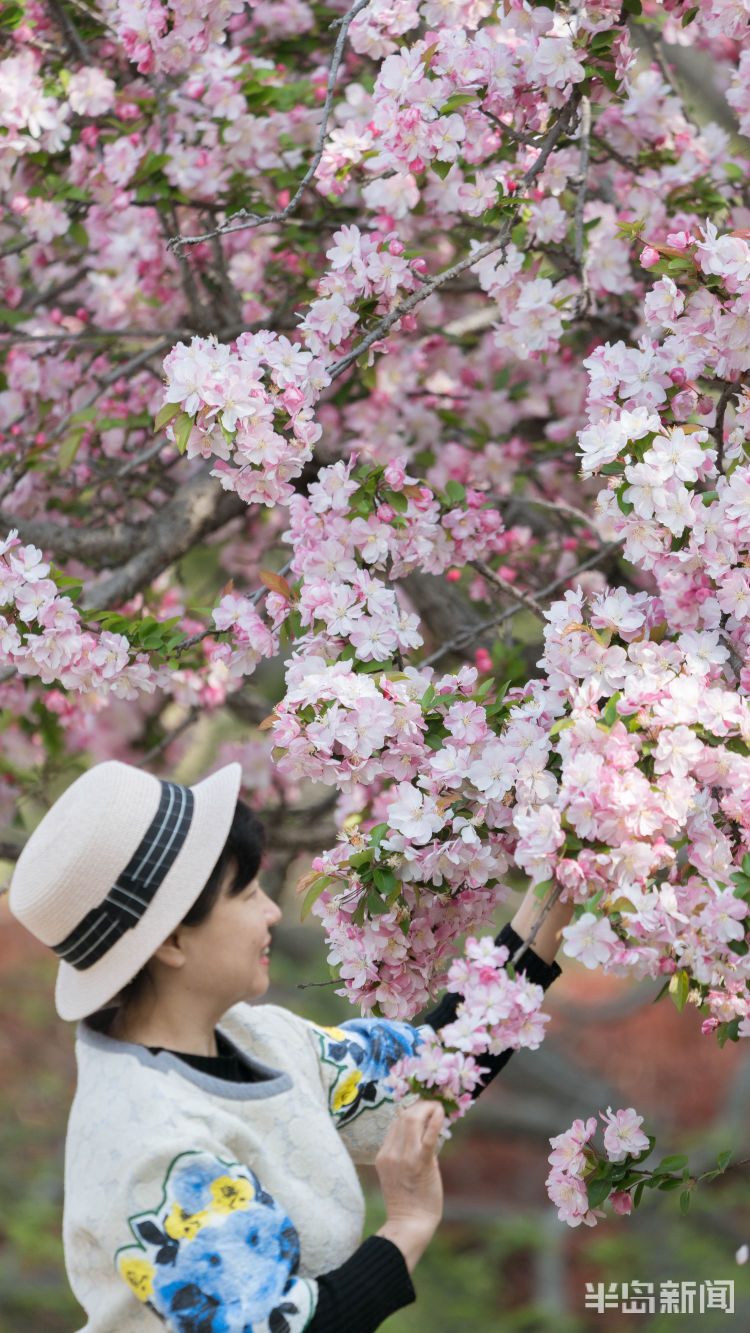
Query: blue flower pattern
[[361, 1052], [219, 1255]]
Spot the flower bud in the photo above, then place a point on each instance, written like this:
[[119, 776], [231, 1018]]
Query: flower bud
[[621, 1202], [649, 257]]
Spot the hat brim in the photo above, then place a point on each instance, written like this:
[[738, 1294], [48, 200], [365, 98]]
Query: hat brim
[[78, 993]]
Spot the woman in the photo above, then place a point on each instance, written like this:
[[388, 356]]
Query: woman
[[210, 1179]]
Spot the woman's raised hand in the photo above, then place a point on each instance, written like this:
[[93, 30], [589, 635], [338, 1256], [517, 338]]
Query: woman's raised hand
[[409, 1177]]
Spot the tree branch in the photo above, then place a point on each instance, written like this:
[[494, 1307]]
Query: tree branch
[[199, 507], [527, 943], [499, 242], [524, 599], [177, 243], [468, 636], [584, 300], [92, 546]]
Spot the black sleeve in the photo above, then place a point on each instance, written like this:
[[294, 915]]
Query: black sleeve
[[541, 973], [361, 1293]]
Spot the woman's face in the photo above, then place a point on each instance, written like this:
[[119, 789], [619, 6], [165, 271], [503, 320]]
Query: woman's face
[[227, 955]]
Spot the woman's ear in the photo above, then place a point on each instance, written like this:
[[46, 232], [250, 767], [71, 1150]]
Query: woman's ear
[[171, 953]]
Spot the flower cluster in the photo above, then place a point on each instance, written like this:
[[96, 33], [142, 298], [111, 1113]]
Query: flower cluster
[[41, 634], [498, 1012], [572, 1161]]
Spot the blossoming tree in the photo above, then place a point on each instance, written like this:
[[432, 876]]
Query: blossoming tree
[[407, 318]]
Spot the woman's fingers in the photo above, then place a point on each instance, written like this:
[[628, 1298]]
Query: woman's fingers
[[432, 1125]]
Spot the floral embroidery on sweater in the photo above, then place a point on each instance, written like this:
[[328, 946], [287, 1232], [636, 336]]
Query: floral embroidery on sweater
[[218, 1254], [361, 1052]]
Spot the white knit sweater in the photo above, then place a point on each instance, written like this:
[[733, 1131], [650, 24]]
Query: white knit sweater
[[212, 1205]]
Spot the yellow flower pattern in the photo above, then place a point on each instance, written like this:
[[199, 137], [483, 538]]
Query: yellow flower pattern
[[229, 1193], [181, 1225], [346, 1091], [139, 1275]]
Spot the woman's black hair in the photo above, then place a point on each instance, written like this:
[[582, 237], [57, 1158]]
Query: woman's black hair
[[243, 850]]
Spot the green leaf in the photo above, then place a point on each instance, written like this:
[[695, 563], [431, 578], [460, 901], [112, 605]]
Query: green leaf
[[598, 1191], [670, 1184], [79, 235], [610, 714], [638, 1193], [375, 904], [385, 880], [377, 834], [182, 428], [166, 414], [455, 101], [397, 500], [679, 988], [684, 1201], [313, 893], [724, 1158], [12, 16], [625, 506], [441, 169], [151, 164], [68, 448], [428, 696], [455, 491], [674, 1163]]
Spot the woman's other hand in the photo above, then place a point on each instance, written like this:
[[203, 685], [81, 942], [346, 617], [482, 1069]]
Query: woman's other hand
[[409, 1177]]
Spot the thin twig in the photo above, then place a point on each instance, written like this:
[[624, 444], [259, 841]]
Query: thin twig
[[144, 457], [124, 369], [70, 31], [565, 511], [497, 243], [523, 598], [527, 943], [584, 299], [717, 430], [253, 219], [467, 636], [171, 736]]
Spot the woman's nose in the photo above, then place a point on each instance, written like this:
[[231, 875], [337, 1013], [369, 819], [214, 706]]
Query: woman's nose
[[273, 911]]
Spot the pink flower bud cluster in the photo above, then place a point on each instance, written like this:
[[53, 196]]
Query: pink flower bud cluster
[[166, 37], [572, 1160], [497, 1013]]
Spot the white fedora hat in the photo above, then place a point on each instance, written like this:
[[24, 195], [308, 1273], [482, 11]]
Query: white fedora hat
[[112, 869]]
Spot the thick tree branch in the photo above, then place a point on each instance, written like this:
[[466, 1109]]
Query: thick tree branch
[[94, 547], [197, 509]]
